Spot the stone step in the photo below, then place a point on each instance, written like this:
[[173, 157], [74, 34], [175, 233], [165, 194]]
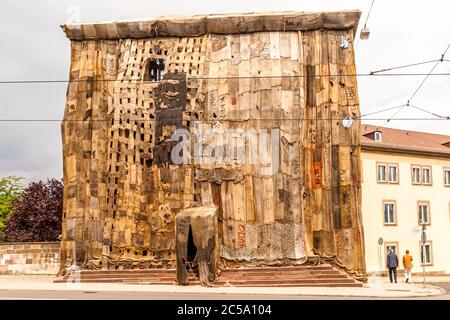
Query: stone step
[[281, 273], [322, 267], [246, 278], [274, 281], [227, 277], [127, 275], [241, 284], [137, 272], [294, 284], [232, 270], [84, 275], [322, 275], [265, 284], [223, 274], [340, 278]]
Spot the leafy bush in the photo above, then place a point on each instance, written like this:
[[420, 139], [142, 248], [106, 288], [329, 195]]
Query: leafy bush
[[37, 215], [10, 190]]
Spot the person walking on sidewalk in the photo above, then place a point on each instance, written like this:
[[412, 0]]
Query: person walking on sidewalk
[[392, 264], [407, 265]]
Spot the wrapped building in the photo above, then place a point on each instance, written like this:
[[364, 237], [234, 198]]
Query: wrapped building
[[220, 135]]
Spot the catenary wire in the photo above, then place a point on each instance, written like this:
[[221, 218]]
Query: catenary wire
[[226, 78], [221, 120], [429, 112], [440, 117], [419, 87], [404, 66]]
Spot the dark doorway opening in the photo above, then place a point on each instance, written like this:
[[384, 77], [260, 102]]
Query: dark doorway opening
[[191, 248]]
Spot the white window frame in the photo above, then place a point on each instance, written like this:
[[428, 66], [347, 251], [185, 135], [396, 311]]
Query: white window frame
[[392, 165], [385, 172], [429, 175], [447, 177], [377, 136], [413, 175], [422, 204], [430, 256], [386, 204]]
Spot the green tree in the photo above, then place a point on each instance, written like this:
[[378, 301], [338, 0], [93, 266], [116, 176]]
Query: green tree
[[11, 189]]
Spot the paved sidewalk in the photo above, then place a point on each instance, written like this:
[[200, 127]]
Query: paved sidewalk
[[376, 287]]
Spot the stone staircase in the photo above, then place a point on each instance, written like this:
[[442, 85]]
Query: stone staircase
[[323, 275]]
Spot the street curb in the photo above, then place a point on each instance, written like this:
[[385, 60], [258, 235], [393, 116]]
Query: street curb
[[129, 288]]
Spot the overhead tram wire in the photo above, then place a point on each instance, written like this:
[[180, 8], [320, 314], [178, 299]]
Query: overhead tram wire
[[380, 111], [255, 119], [226, 78], [396, 113], [419, 87], [404, 66], [411, 65], [429, 112], [224, 120]]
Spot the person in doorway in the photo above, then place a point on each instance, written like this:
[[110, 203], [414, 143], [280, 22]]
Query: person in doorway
[[407, 265], [392, 264]]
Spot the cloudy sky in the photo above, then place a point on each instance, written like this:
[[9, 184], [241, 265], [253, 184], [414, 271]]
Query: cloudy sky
[[34, 48]]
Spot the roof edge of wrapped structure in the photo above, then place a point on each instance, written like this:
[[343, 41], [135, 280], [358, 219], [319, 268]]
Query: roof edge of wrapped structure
[[191, 26]]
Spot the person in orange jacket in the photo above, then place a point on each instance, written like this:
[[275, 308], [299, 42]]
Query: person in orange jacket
[[407, 265]]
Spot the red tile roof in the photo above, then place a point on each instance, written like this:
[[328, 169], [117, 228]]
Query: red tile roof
[[405, 141]]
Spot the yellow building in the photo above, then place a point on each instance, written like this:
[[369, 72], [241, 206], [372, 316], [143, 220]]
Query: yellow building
[[406, 184]]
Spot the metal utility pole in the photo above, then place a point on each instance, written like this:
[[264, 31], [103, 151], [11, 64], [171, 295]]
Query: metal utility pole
[[422, 254], [380, 243]]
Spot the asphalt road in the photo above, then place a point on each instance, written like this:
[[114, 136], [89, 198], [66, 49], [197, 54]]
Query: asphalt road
[[90, 295]]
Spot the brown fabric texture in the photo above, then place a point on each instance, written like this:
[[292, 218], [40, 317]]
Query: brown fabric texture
[[123, 193], [194, 26]]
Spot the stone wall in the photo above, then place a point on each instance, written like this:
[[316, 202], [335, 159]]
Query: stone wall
[[29, 258]]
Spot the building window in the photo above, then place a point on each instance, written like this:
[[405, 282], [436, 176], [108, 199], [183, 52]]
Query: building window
[[377, 136], [447, 177], [426, 175], [154, 70], [391, 245], [421, 175], [415, 175], [426, 254], [393, 173], [389, 214], [381, 173], [387, 173], [423, 209]]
